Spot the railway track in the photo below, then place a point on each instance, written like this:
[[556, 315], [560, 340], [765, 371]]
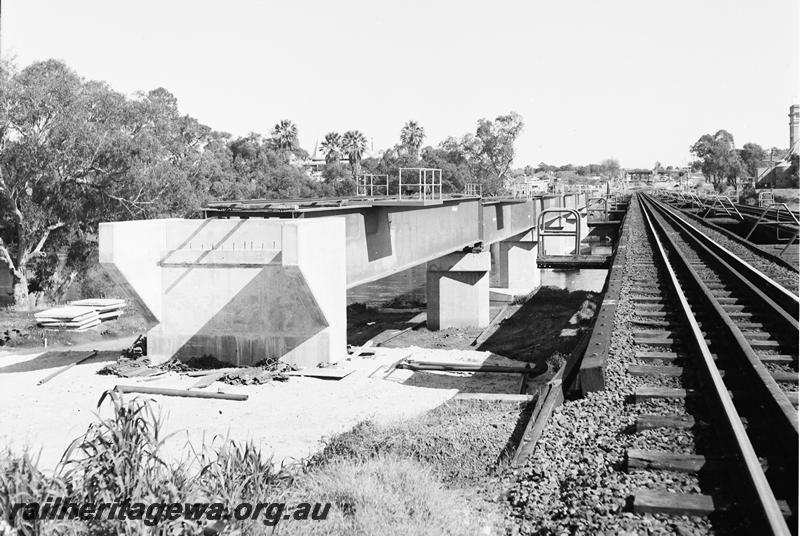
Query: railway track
[[783, 270], [773, 214], [716, 348]]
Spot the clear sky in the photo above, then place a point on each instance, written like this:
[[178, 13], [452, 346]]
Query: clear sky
[[638, 80]]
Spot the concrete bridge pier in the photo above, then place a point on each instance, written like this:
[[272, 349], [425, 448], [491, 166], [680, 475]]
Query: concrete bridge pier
[[240, 290], [458, 290], [517, 269]]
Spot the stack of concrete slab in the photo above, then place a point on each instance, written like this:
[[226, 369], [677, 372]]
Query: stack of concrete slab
[[71, 317], [80, 315], [107, 308]]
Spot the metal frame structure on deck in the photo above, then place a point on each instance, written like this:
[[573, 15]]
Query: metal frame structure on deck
[[428, 186], [366, 184], [473, 188]]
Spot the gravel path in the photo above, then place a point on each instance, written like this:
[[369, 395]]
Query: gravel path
[[575, 482]]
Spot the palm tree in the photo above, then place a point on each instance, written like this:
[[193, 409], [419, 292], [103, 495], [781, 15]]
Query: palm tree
[[354, 143], [332, 147], [411, 137], [284, 135]]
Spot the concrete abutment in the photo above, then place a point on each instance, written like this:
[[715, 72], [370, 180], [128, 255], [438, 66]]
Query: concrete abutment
[[240, 290]]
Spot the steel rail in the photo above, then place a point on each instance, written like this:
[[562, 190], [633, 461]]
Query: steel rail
[[788, 302], [766, 385], [735, 238], [779, 215], [765, 498]]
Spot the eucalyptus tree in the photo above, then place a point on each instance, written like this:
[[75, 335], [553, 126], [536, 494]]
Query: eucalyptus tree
[[58, 135], [718, 159], [74, 153]]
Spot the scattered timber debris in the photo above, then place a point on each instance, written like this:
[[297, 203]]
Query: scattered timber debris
[[129, 368], [254, 376], [208, 369], [328, 373]]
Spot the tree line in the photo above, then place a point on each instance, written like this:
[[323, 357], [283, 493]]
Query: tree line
[[75, 152], [724, 165]]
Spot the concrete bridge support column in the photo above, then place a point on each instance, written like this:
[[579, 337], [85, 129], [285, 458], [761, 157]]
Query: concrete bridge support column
[[517, 269], [458, 291]]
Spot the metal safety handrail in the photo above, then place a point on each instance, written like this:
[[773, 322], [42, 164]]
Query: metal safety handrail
[[766, 198], [719, 199], [781, 207], [543, 231]]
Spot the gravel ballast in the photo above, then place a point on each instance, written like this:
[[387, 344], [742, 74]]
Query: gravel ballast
[[575, 481]]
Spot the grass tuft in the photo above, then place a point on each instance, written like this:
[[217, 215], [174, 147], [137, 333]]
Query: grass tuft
[[463, 442], [386, 494]]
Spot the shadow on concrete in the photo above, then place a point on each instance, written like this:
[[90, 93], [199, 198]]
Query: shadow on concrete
[[202, 253], [377, 233], [59, 359], [272, 315]]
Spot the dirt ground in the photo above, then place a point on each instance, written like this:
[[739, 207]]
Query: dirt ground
[[546, 324], [288, 419]]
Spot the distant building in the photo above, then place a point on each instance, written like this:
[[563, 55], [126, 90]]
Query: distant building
[[633, 175], [526, 185], [314, 165], [784, 173]]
